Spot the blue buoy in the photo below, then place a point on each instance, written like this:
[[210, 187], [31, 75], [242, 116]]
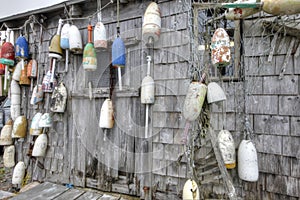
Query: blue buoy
[[118, 53], [22, 50]]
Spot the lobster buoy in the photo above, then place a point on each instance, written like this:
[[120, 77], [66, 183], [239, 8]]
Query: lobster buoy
[[32, 69], [75, 40], [24, 80], [55, 51], [100, 41], [220, 48], [37, 95], [227, 148], [215, 93], [118, 53], [241, 13], [89, 61], [147, 90], [15, 107], [5, 137], [22, 49], [281, 7], [45, 121], [64, 36], [35, 129], [46, 84], [7, 56], [190, 190], [19, 172], [19, 127], [194, 101], [40, 146], [59, 99], [17, 72], [106, 115], [152, 23], [9, 156], [247, 161]]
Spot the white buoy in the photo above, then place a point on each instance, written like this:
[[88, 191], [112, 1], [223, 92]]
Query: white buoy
[[281, 7], [190, 190], [40, 146], [59, 99], [247, 161], [75, 40], [5, 137], [9, 156], [18, 173], [35, 129], [64, 43], [17, 72], [106, 115], [215, 93], [45, 121], [220, 48], [37, 94], [227, 148], [151, 23], [19, 127]]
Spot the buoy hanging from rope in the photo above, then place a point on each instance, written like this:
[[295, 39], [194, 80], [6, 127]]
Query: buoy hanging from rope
[[32, 69], [18, 173], [9, 156], [151, 23], [46, 84], [118, 51], [17, 72], [227, 148], [106, 114], [15, 107], [215, 93], [75, 40], [19, 127], [35, 129], [281, 7], [7, 57], [247, 161], [194, 99], [22, 50], [5, 137], [37, 94], [24, 80], [65, 43], [190, 190], [241, 13], [45, 121], [55, 51], [59, 99], [40, 146], [220, 48], [89, 61], [100, 39]]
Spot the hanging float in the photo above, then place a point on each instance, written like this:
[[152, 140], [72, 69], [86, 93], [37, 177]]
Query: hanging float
[[45, 121], [22, 50], [106, 115], [15, 107], [190, 190], [35, 129], [5, 137], [75, 40], [220, 48], [32, 70], [24, 80], [215, 93], [59, 99], [40, 146], [281, 7], [9, 156], [89, 61], [227, 148], [18, 173], [242, 12], [194, 100], [65, 43], [19, 127], [47, 86], [17, 72], [100, 40], [37, 94], [247, 161], [152, 23]]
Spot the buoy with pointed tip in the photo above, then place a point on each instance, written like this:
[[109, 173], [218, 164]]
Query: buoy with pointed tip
[[37, 95], [40, 146], [220, 48], [106, 115], [227, 148], [281, 7], [15, 107], [19, 127], [35, 129], [59, 99], [194, 100], [75, 40], [151, 23], [247, 161], [241, 13], [190, 190], [9, 156], [45, 121], [215, 93], [89, 61], [18, 173], [5, 137]]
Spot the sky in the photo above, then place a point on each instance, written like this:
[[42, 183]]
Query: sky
[[13, 7]]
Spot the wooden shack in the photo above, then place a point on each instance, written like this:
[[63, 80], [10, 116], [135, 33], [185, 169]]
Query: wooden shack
[[261, 86]]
